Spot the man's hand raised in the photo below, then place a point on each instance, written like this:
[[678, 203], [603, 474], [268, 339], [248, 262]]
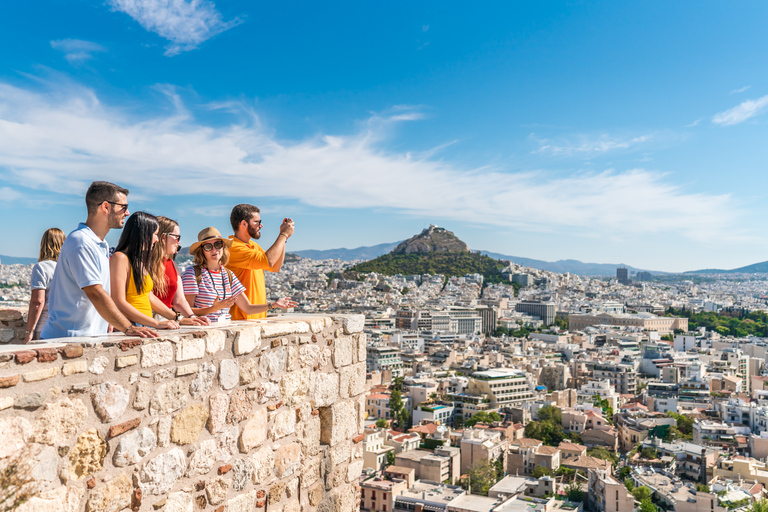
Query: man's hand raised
[[286, 228]]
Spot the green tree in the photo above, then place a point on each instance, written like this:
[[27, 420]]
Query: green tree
[[482, 476], [703, 488], [573, 492], [550, 414], [381, 423], [647, 506], [642, 493], [540, 471], [482, 417], [760, 505], [390, 458], [600, 452], [648, 453], [629, 484], [396, 406]]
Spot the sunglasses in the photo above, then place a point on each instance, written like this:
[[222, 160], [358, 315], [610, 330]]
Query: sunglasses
[[177, 237], [209, 247]]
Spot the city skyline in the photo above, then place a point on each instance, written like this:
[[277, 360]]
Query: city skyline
[[602, 133]]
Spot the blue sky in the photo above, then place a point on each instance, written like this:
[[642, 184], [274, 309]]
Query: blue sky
[[599, 131]]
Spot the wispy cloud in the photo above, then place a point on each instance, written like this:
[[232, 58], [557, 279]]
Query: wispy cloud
[[77, 51], [741, 112], [695, 123], [185, 23], [587, 145], [62, 140], [740, 89]]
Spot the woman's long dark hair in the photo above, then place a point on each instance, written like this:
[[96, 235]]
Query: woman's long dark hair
[[136, 244]]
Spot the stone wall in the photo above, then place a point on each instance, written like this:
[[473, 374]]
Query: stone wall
[[13, 325], [253, 416]]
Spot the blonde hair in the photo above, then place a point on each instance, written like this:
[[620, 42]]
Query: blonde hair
[[50, 244], [165, 226], [199, 256]]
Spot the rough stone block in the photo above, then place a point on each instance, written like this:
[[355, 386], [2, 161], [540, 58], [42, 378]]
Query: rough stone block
[[11, 380], [249, 371], [87, 456], [295, 386], [187, 369], [17, 431], [215, 341], [338, 422], [74, 367], [60, 421], [160, 473], [343, 349], [25, 356], [126, 361], [280, 328], [287, 460], [327, 388], [29, 401], [6, 402], [354, 470], [242, 503], [71, 351], [242, 474], [47, 355], [276, 492], [187, 349], [362, 352], [156, 354], [164, 431], [263, 462], [110, 401], [254, 431], [219, 405], [188, 424], [240, 405], [45, 373], [352, 380], [352, 323], [229, 374], [116, 430], [284, 424], [203, 381], [169, 397], [143, 395], [114, 496], [311, 439], [98, 365], [203, 459], [60, 499], [273, 363], [247, 340], [179, 502], [134, 447], [216, 489]]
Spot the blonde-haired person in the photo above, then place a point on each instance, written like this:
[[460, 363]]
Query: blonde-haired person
[[167, 287], [211, 289], [42, 274]]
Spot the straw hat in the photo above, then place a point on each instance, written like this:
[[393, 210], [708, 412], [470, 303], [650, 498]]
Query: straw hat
[[208, 235]]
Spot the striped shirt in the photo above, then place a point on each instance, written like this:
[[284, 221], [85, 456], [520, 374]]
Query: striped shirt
[[212, 285]]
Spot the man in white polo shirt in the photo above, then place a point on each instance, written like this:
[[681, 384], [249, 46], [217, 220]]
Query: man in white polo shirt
[[79, 303]]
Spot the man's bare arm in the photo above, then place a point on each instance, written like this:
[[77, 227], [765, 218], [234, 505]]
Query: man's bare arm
[[276, 253], [109, 312]]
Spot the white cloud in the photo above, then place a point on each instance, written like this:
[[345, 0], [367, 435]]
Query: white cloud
[[695, 123], [185, 23], [587, 145], [741, 112], [62, 140], [740, 89], [77, 50]]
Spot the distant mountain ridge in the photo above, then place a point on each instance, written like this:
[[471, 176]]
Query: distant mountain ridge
[[358, 253], [570, 266], [755, 268], [16, 260]]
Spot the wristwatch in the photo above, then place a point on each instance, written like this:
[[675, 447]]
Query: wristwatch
[[178, 315]]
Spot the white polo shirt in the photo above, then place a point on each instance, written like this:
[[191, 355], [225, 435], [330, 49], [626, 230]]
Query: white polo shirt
[[83, 261]]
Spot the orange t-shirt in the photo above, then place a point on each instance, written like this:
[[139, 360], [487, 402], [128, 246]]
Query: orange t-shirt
[[248, 262]]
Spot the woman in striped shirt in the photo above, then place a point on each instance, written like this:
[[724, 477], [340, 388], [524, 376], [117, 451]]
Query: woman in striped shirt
[[210, 289]]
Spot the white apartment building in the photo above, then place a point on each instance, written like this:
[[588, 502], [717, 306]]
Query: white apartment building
[[503, 386], [602, 388]]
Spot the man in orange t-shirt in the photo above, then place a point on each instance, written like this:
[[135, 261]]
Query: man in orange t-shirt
[[248, 261]]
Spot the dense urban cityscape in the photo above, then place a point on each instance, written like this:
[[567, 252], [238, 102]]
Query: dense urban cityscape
[[567, 392]]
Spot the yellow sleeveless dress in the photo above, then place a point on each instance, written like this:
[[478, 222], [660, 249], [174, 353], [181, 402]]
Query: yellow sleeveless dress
[[140, 301]]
